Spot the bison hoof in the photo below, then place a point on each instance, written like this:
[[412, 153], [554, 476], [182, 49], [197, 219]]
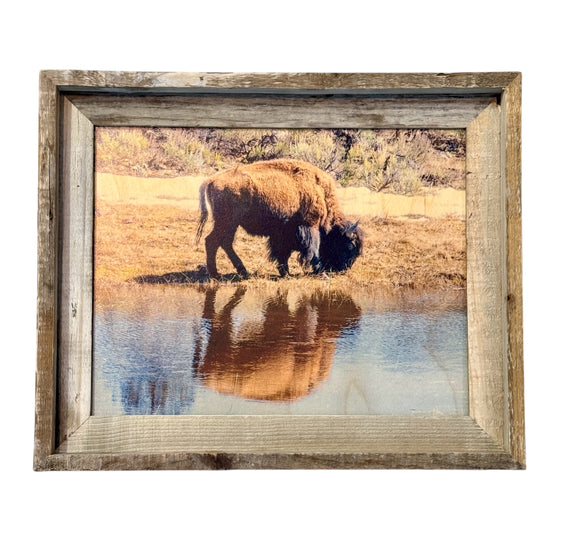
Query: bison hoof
[[243, 275], [317, 268]]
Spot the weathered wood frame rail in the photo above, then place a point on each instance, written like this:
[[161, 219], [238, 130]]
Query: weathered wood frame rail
[[72, 103]]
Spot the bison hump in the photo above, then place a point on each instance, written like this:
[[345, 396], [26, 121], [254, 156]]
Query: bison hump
[[282, 188]]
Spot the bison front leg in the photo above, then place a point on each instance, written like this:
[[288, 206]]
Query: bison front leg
[[309, 247], [280, 250]]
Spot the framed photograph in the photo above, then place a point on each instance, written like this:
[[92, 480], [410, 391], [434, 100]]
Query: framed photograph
[[279, 271]]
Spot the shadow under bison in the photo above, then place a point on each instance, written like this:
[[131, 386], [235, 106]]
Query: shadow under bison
[[198, 275]]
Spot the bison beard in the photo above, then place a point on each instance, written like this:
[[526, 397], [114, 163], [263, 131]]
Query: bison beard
[[291, 202]]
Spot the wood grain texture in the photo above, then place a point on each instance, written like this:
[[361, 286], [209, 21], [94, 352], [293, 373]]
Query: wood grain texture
[[298, 83], [493, 435], [230, 442], [511, 135], [221, 461], [45, 414], [281, 111], [279, 434], [486, 317], [76, 269]]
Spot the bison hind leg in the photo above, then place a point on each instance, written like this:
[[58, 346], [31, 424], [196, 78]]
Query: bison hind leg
[[224, 238]]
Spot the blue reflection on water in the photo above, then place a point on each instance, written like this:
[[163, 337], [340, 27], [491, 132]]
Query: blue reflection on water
[[376, 360], [408, 341], [146, 363]]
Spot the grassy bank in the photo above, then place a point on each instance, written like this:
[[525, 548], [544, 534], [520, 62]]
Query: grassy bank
[[156, 245]]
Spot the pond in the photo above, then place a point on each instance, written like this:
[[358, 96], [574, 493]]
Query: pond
[[231, 350]]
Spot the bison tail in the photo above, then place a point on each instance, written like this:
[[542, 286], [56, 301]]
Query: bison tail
[[204, 212]]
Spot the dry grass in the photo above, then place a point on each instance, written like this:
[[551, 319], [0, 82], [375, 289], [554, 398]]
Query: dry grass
[[156, 244]]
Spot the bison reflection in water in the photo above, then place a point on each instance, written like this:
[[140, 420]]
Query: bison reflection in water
[[282, 358]]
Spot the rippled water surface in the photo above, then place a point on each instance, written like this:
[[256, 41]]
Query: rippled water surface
[[185, 350]]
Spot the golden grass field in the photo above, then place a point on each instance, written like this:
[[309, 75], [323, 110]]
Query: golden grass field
[[145, 231]]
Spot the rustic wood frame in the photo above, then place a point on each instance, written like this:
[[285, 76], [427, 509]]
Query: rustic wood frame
[[72, 103]]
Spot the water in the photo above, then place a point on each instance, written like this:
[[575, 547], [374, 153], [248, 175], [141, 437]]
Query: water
[[184, 350]]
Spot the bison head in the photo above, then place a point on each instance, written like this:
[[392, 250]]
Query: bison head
[[341, 246]]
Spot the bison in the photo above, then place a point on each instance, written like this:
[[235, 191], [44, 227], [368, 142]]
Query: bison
[[292, 203]]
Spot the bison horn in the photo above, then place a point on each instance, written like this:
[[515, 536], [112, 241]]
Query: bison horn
[[351, 228]]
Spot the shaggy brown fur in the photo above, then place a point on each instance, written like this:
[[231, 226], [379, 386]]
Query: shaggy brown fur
[[305, 178], [289, 201]]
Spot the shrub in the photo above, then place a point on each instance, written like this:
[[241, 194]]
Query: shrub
[[399, 161], [319, 147], [382, 160], [125, 149], [186, 153]]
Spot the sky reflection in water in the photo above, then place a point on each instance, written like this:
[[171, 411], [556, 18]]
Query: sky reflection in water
[[230, 351]]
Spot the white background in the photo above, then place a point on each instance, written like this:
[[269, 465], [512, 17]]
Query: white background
[[305, 508]]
